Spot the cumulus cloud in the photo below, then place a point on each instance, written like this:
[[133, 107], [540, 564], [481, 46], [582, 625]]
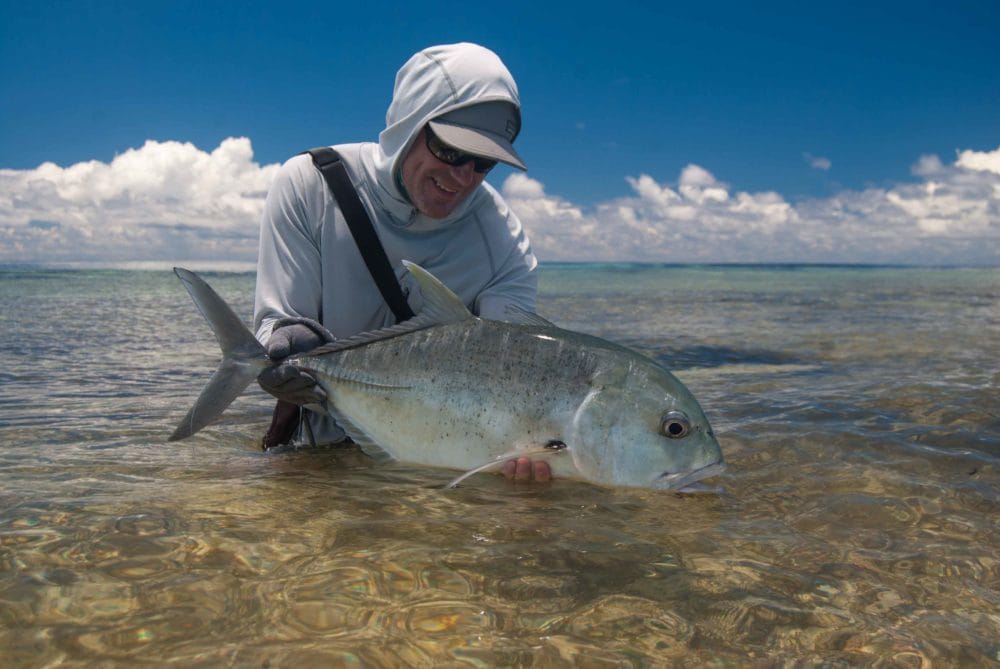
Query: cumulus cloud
[[164, 200], [174, 201], [988, 161], [951, 216]]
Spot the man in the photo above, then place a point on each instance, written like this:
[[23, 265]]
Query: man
[[454, 114]]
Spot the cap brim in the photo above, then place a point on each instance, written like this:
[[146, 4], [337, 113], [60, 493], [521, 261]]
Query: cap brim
[[478, 142]]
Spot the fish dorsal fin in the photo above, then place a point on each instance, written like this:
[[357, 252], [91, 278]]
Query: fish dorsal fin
[[441, 305], [363, 338], [518, 316]]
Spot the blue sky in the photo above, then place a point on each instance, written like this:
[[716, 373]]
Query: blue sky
[[668, 113]]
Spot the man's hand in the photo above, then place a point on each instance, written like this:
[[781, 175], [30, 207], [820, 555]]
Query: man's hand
[[525, 469], [288, 383], [295, 335], [291, 384]]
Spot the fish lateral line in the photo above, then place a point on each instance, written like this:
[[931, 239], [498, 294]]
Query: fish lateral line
[[355, 378]]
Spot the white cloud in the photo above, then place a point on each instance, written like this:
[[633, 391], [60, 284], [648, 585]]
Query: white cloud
[[818, 162], [951, 216], [173, 201], [699, 186], [928, 166], [165, 200], [988, 161]]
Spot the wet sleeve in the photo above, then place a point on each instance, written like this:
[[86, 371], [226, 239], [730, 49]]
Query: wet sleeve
[[515, 275], [289, 275]]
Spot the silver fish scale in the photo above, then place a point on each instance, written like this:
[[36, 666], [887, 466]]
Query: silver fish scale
[[466, 393], [459, 394]]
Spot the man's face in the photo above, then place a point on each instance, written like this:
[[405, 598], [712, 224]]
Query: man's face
[[436, 188]]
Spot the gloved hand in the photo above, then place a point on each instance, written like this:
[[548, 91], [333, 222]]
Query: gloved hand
[[291, 384], [287, 382]]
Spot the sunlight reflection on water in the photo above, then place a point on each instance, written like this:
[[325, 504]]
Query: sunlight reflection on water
[[856, 410]]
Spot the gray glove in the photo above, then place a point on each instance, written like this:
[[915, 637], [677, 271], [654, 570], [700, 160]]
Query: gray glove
[[287, 382]]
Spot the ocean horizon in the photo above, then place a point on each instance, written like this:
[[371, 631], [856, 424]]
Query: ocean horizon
[[240, 266]]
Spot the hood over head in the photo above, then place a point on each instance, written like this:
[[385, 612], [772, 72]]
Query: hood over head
[[437, 81]]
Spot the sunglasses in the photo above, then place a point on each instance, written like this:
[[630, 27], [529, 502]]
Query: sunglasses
[[452, 156]]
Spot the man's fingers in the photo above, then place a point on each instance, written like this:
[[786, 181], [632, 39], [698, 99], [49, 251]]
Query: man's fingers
[[542, 471], [517, 470], [279, 346], [294, 338], [291, 384], [275, 377], [523, 470]]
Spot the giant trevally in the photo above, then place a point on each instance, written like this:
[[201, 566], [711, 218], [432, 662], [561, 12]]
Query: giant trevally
[[448, 389]]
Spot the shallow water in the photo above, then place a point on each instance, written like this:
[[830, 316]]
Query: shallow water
[[857, 409]]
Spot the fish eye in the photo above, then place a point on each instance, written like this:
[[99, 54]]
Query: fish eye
[[675, 425]]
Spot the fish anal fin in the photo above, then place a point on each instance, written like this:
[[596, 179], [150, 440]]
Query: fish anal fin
[[359, 437]]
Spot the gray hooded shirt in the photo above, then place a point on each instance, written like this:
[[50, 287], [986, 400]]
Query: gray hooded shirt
[[309, 265]]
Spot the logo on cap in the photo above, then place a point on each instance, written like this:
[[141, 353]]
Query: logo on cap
[[511, 130]]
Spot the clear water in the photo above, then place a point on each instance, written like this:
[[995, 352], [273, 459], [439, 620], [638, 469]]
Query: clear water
[[857, 409]]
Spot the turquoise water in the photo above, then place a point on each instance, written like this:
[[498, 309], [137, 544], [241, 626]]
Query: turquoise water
[[857, 409]]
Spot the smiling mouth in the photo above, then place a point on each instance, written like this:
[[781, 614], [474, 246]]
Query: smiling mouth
[[443, 188]]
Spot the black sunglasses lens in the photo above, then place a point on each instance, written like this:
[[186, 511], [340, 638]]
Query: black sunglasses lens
[[482, 165], [451, 156]]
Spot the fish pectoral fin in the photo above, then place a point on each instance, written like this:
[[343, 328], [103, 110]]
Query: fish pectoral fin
[[552, 447], [481, 468]]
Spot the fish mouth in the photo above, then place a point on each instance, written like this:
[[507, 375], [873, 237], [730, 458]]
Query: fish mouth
[[682, 480]]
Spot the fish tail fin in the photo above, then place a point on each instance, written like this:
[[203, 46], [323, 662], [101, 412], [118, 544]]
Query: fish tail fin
[[243, 358]]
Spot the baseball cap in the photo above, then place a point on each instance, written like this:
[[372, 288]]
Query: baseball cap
[[486, 129]]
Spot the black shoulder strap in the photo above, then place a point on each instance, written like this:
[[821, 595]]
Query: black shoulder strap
[[329, 163]]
